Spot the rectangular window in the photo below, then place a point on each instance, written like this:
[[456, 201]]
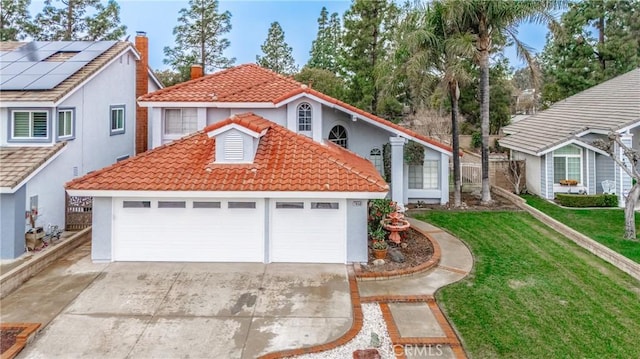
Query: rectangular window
[[30, 124], [242, 205], [425, 176], [171, 204], [567, 164], [65, 123], [180, 121], [204, 204], [117, 120], [293, 205], [136, 204], [324, 205]]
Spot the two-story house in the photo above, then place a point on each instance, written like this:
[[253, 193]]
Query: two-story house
[[249, 165], [66, 108]]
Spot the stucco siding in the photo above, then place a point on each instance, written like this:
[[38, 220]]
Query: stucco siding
[[12, 220], [357, 230], [535, 176], [277, 115], [101, 229]]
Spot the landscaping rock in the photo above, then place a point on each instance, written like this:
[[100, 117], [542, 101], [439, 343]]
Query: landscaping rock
[[396, 255], [378, 262]]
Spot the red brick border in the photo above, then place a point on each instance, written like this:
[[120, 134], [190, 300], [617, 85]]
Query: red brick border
[[423, 267], [21, 339], [451, 339], [356, 326]]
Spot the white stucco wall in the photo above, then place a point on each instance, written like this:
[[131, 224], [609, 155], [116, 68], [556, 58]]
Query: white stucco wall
[[532, 169]]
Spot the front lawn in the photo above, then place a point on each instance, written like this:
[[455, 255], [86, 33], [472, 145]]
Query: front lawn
[[602, 225], [536, 294]]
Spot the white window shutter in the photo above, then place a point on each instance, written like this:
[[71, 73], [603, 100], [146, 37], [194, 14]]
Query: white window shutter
[[233, 147]]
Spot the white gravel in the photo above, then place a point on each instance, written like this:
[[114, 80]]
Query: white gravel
[[372, 322]]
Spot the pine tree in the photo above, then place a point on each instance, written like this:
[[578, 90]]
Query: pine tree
[[277, 54], [71, 22], [15, 20], [368, 26], [597, 40], [199, 38], [325, 48]]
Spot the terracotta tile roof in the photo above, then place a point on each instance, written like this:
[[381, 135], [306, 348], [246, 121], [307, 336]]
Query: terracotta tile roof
[[72, 81], [16, 163], [285, 161], [252, 83]]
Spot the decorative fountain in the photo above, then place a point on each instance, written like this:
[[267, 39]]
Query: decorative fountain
[[395, 223]]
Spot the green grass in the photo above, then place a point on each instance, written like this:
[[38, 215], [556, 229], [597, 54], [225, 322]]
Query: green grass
[[603, 225], [535, 294]]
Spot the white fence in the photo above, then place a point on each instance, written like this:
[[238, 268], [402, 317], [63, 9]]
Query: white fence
[[470, 174]]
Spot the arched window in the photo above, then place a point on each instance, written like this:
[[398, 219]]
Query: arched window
[[338, 135], [304, 117], [375, 156]]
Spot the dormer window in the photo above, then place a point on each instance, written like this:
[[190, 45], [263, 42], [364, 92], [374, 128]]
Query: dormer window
[[233, 147], [338, 135], [304, 117]]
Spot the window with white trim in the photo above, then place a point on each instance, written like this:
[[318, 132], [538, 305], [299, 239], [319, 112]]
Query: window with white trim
[[425, 176], [117, 119], [338, 135], [304, 117], [567, 164], [29, 125], [375, 156], [65, 123], [180, 121]]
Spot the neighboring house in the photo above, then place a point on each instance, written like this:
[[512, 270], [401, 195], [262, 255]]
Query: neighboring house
[[557, 143], [278, 172], [67, 108]]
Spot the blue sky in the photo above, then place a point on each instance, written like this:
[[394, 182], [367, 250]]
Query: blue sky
[[250, 22]]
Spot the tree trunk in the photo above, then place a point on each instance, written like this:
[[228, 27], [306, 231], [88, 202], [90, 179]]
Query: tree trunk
[[69, 31], [484, 42], [601, 51], [629, 212], [454, 92]]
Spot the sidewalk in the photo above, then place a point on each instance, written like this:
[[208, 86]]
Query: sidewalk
[[414, 319]]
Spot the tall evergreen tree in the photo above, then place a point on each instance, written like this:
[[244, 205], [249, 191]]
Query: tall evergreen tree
[[368, 26], [199, 38], [71, 22], [277, 54], [324, 49], [597, 40], [15, 20]]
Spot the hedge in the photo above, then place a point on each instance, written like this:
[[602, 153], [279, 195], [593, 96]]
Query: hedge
[[581, 200]]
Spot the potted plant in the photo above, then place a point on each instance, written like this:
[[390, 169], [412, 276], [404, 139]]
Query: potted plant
[[379, 244]]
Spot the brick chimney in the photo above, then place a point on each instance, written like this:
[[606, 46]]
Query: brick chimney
[[196, 71], [142, 88]]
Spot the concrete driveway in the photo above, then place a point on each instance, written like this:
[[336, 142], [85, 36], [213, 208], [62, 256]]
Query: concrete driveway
[[197, 310]]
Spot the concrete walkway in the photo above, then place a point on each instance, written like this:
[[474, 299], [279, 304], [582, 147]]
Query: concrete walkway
[[413, 318]]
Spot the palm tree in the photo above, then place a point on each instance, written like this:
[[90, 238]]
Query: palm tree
[[437, 47], [493, 19]]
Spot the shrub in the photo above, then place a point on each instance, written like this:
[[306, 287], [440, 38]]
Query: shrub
[[476, 139], [594, 200]]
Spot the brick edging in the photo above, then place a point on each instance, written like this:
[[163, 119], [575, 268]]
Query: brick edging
[[21, 339], [356, 326], [596, 248], [420, 268]]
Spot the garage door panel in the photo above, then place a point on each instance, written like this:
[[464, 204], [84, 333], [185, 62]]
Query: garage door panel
[[189, 234], [308, 235]]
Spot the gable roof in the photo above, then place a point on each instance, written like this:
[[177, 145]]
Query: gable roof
[[284, 161], [610, 106], [250, 83], [71, 82], [18, 163]]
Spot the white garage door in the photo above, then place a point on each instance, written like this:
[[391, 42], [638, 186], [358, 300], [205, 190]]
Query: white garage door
[[308, 231], [188, 230]]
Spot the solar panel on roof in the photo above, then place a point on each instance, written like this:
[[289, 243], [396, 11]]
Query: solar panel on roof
[[25, 67], [46, 82]]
